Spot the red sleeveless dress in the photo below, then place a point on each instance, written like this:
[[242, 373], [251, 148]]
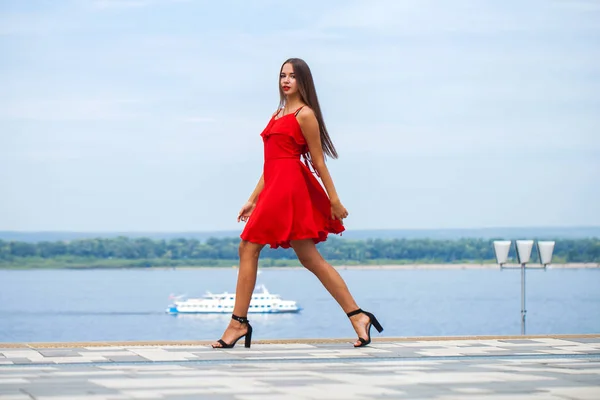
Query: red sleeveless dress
[[292, 205]]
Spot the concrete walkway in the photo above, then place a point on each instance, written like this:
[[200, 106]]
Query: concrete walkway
[[490, 368]]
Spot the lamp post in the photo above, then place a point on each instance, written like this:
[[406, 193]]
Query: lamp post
[[523, 250]]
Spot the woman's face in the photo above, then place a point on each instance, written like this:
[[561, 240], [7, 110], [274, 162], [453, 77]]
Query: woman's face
[[287, 80]]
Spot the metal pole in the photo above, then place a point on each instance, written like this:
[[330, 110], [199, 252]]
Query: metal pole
[[523, 311]]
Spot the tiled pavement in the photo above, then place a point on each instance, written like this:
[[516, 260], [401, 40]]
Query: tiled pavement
[[565, 368]]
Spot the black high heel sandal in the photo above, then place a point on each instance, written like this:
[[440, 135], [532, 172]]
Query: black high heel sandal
[[372, 322], [248, 335]]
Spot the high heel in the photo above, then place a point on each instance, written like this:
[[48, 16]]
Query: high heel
[[247, 335], [372, 322]]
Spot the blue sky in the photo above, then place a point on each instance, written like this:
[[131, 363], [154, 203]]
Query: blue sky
[[138, 115]]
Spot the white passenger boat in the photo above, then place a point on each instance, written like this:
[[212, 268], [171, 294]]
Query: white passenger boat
[[262, 302]]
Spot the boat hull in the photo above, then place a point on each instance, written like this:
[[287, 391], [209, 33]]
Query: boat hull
[[261, 302]]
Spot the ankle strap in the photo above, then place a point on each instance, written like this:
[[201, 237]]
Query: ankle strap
[[243, 320], [352, 313]]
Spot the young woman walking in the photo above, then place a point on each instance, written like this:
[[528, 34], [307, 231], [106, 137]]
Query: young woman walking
[[289, 208]]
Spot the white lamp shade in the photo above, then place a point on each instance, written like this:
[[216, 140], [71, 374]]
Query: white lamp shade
[[524, 250], [545, 250], [501, 248]]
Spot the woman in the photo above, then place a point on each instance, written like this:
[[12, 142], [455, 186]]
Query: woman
[[289, 208]]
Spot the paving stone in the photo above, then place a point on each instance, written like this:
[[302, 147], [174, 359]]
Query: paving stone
[[9, 391], [191, 349], [64, 389], [489, 369], [132, 358], [582, 340], [290, 382], [418, 392], [213, 396], [518, 341], [18, 360], [59, 353], [15, 396]]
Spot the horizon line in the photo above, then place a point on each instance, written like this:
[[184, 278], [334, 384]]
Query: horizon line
[[353, 230]]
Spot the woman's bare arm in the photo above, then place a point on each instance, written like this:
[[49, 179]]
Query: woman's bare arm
[[259, 187], [310, 130]]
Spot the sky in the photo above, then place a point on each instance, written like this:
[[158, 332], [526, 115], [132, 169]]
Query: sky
[[145, 115]]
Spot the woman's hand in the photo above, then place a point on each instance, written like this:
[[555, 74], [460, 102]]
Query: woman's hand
[[338, 211], [246, 211]]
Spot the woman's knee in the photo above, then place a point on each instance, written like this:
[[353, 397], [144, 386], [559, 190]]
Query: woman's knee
[[249, 249], [308, 255]]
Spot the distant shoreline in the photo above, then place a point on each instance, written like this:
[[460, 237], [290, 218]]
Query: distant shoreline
[[471, 266], [408, 267], [523, 232], [124, 252]]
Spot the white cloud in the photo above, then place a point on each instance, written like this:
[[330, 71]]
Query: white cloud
[[71, 109], [418, 17]]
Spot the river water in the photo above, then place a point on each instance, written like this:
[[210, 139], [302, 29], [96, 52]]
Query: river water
[[97, 305]]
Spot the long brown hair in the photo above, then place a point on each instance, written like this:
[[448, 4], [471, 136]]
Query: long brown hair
[[308, 94]]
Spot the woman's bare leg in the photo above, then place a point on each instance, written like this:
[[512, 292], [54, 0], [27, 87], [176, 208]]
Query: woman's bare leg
[[249, 253], [312, 260]]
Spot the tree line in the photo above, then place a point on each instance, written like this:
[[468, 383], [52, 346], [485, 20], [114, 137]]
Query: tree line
[[194, 252]]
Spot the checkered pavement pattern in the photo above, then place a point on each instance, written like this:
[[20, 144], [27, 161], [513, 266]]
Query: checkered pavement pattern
[[490, 369]]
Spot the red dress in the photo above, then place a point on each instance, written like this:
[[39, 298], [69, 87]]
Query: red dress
[[292, 205]]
